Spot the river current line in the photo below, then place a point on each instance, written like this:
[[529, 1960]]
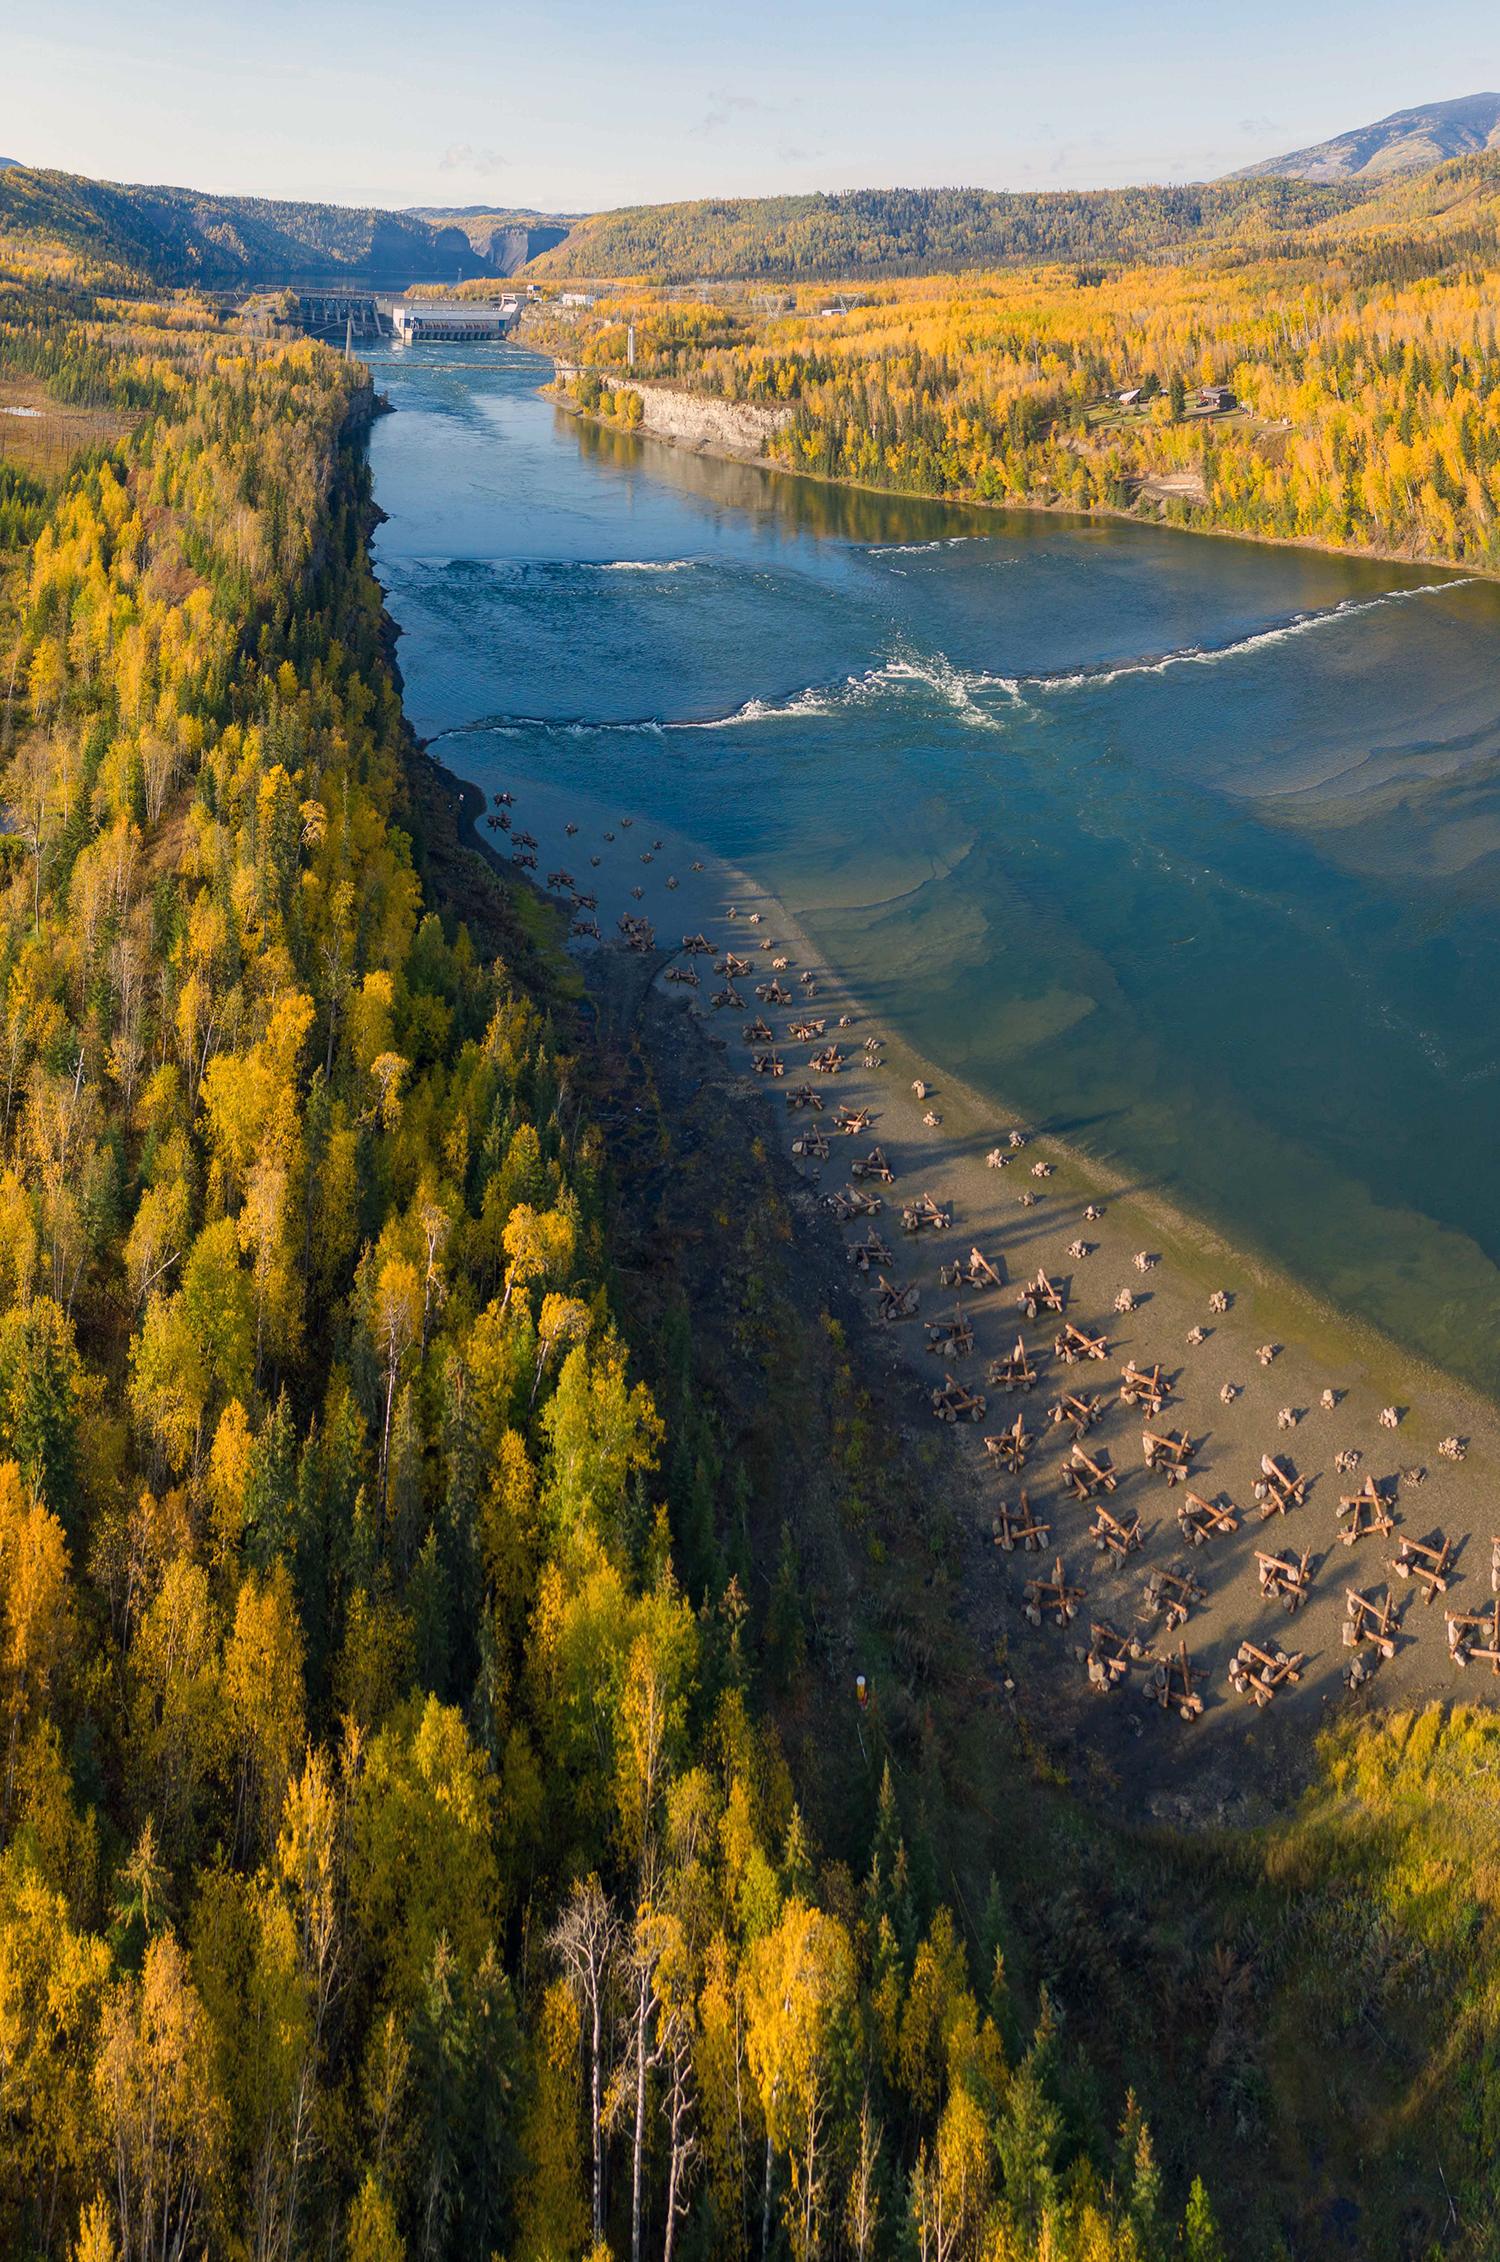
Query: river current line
[[1228, 904]]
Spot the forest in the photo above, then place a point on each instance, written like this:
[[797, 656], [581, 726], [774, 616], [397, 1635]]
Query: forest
[[141, 236], [184, 238], [866, 233], [396, 1857], [1364, 382], [410, 1675]]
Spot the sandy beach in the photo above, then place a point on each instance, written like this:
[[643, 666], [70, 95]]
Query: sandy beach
[[1250, 1367]]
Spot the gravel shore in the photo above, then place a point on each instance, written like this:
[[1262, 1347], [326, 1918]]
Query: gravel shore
[[1234, 1405]]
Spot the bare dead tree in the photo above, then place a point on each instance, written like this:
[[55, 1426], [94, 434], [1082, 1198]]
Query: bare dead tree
[[586, 1940], [862, 2209], [676, 2043]]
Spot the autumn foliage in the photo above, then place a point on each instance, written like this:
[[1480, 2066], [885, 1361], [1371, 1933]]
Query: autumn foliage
[[1367, 401], [393, 1858]]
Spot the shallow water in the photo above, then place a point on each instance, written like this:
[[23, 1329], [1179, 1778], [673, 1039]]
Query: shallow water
[[1188, 848]]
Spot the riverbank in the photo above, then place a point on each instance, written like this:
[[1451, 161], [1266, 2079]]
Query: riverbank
[[731, 431], [1160, 517], [1273, 1970], [1292, 754], [1034, 1213], [1126, 1851]]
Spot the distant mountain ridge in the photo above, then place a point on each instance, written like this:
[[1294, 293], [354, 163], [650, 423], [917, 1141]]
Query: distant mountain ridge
[[184, 236], [1407, 222], [865, 233], [1406, 142]]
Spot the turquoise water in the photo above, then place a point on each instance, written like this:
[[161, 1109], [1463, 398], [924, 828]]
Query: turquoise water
[[1189, 848]]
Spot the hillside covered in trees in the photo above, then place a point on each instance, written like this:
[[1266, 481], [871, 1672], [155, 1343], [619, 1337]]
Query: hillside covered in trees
[[412, 1841], [1363, 380], [1447, 212], [181, 236], [874, 232]]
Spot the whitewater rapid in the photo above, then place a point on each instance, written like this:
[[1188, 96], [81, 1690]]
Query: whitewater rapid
[[963, 690]]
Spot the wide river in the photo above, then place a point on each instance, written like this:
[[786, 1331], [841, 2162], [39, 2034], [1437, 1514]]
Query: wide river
[[1188, 848]]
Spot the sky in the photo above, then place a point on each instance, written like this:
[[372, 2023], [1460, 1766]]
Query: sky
[[575, 105]]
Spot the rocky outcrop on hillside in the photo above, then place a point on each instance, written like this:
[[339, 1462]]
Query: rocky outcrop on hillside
[[692, 420]]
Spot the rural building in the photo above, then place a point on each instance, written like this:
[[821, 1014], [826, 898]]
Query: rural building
[[1217, 397]]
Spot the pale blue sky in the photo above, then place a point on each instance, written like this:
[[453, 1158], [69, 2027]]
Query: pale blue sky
[[576, 104]]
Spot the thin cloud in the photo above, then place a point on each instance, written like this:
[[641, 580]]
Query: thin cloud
[[465, 157], [723, 109]]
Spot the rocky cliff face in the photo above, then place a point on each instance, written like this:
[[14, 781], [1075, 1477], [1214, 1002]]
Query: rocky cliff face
[[717, 427], [502, 245], [511, 249]]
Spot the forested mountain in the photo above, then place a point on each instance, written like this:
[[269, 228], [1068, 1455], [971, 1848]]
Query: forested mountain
[[871, 232], [910, 232], [1407, 141], [1426, 220], [180, 236]]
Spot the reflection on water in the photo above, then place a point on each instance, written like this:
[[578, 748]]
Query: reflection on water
[[1187, 847], [803, 506]]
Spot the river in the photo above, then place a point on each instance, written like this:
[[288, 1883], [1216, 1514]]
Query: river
[[1189, 848]]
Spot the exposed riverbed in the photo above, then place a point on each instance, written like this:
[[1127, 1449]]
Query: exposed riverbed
[[1187, 848]]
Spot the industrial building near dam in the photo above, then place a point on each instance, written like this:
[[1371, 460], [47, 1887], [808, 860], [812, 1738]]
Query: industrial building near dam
[[418, 321]]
